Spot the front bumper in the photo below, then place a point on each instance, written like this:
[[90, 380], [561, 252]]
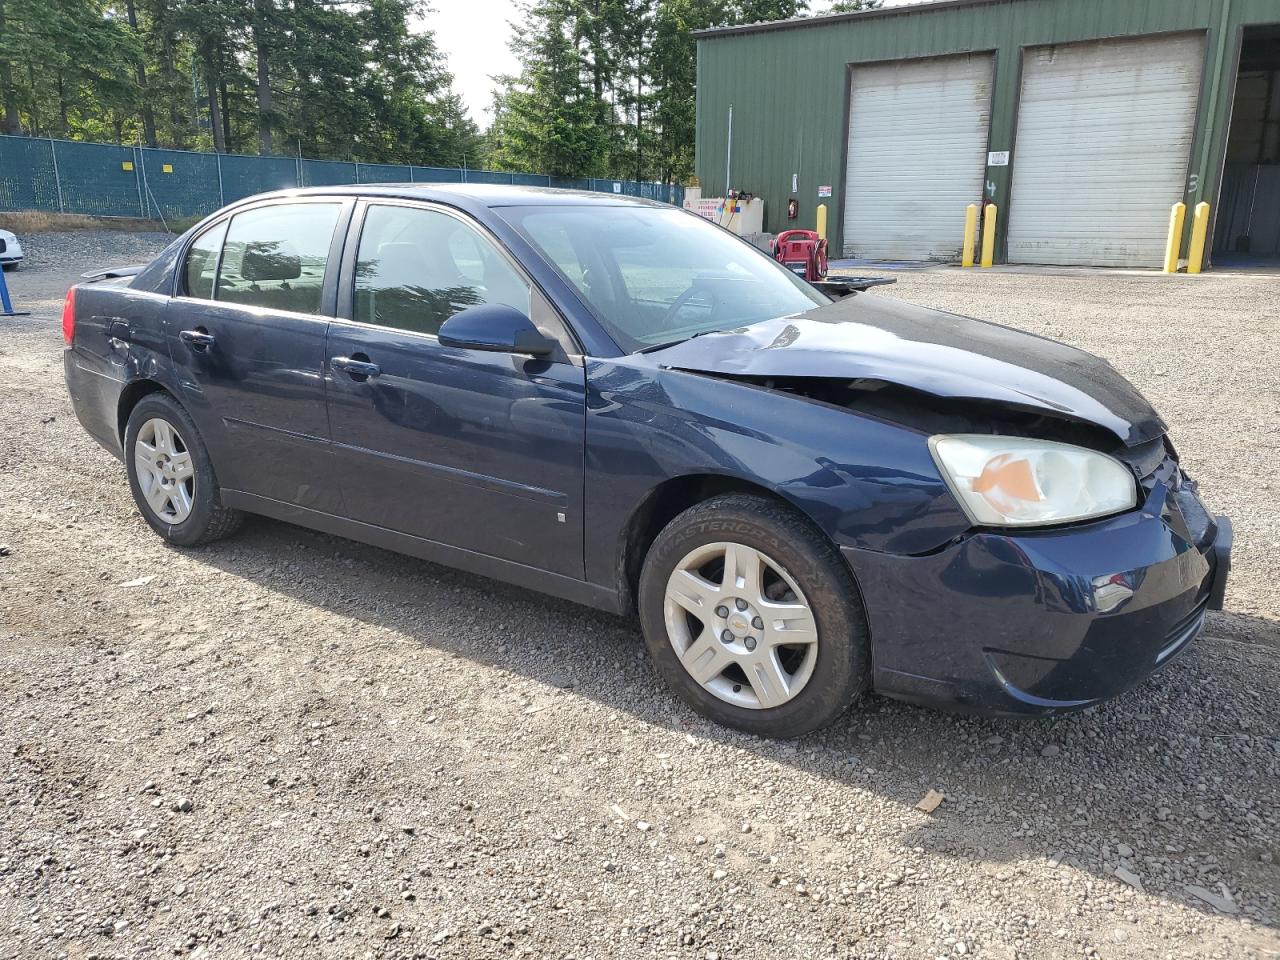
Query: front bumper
[[1046, 620]]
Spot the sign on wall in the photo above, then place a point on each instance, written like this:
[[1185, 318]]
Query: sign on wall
[[998, 158], [824, 190]]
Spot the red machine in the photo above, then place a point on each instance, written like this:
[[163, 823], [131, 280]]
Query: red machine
[[802, 252]]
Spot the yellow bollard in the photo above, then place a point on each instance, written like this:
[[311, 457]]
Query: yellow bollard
[[1177, 215], [970, 234], [1199, 234], [822, 221], [989, 215]]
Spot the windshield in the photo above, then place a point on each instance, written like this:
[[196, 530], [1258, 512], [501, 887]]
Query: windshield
[[655, 276]]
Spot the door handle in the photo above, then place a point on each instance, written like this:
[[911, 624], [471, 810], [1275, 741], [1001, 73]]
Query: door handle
[[197, 339], [355, 367]]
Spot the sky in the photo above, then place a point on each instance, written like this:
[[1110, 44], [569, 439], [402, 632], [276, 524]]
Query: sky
[[474, 35]]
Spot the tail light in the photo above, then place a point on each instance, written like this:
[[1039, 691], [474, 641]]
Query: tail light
[[69, 316]]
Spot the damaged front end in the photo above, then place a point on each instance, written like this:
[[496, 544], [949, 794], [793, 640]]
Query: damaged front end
[[1000, 618], [931, 414], [914, 364]]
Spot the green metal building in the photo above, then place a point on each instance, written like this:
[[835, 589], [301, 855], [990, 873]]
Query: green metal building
[[1084, 121]]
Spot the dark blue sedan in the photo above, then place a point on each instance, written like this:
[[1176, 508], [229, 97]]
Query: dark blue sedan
[[617, 402]]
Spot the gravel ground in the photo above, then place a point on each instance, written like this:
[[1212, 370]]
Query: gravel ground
[[291, 745]]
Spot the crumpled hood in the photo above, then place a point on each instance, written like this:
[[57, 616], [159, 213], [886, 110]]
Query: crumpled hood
[[868, 337]]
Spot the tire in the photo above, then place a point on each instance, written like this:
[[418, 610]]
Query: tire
[[205, 518], [11, 267], [820, 681]]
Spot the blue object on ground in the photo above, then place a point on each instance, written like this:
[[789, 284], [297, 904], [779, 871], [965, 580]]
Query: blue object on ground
[[7, 303]]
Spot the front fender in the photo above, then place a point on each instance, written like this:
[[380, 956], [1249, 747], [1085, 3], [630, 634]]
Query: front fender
[[865, 483]]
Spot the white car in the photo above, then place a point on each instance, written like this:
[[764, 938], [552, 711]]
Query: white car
[[10, 250]]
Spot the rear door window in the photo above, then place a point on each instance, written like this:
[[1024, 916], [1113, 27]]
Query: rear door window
[[276, 256]]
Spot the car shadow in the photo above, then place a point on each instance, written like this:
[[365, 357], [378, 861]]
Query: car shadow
[[1113, 777]]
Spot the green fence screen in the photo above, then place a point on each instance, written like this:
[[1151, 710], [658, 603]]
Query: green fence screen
[[105, 180]]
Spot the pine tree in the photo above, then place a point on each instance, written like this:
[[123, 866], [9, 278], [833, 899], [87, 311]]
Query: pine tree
[[548, 119], [66, 63], [674, 69], [349, 79]]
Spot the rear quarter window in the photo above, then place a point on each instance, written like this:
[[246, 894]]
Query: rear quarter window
[[202, 262]]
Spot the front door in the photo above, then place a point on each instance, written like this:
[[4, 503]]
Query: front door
[[477, 450], [246, 333]]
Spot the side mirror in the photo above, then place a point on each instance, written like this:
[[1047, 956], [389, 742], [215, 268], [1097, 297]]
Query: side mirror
[[497, 328]]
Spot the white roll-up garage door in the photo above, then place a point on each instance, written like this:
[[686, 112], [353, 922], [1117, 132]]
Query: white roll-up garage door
[[1104, 141], [917, 156]]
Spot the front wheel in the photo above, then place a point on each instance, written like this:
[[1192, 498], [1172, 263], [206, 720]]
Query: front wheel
[[753, 618], [171, 476]]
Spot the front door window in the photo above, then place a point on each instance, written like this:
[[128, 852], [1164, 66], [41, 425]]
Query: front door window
[[416, 268]]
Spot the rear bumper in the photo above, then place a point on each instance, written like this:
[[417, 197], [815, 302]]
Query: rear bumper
[[1045, 621]]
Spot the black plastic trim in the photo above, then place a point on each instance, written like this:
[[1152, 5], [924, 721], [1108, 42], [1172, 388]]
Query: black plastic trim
[[1222, 562]]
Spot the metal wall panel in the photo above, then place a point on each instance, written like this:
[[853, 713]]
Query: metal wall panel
[[916, 155], [1104, 141], [787, 84]]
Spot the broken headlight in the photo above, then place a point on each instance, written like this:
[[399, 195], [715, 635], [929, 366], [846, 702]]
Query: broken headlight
[[1012, 481]]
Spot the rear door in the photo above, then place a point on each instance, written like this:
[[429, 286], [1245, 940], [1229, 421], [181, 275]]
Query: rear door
[[482, 451], [247, 332]]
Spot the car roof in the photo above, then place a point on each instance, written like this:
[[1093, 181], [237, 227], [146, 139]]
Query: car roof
[[481, 194]]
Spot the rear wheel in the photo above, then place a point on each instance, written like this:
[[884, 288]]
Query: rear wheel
[[753, 618], [171, 476]]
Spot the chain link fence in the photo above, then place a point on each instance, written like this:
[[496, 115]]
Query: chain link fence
[[105, 180]]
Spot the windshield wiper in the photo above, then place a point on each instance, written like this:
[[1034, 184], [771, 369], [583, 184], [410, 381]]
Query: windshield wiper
[[655, 347]]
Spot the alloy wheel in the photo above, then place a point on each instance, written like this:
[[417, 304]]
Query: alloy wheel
[[740, 625], [166, 474]]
